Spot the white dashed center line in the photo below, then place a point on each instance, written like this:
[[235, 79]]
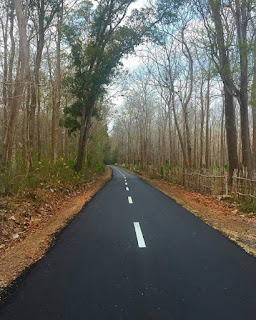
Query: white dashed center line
[[127, 189], [139, 235], [130, 200], [120, 172]]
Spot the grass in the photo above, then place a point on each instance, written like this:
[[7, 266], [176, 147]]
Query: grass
[[247, 207], [45, 174], [241, 204]]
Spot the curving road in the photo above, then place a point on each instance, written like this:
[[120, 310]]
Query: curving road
[[133, 253]]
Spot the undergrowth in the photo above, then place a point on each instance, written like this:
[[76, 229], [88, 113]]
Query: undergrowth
[[247, 207], [241, 204], [45, 174]]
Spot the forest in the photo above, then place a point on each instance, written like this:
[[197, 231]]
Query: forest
[[187, 107]]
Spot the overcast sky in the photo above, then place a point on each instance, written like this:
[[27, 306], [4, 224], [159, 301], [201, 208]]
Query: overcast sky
[[130, 63]]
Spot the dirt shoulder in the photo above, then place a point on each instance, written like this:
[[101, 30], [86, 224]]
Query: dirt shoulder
[[25, 248], [237, 226]]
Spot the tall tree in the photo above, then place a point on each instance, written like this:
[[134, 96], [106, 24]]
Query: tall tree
[[220, 53], [22, 75], [57, 87], [45, 11], [110, 36]]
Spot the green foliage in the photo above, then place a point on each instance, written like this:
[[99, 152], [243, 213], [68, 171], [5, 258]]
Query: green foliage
[[110, 156], [162, 171], [99, 167], [136, 168], [248, 207], [71, 114], [96, 147], [167, 166], [99, 38], [47, 175], [166, 10], [8, 182], [243, 204], [153, 177], [215, 168], [14, 180]]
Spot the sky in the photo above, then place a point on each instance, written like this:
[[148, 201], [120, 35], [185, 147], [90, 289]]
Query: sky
[[130, 63]]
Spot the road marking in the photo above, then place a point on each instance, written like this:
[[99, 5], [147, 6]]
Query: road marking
[[139, 235], [120, 172], [127, 189], [126, 183], [130, 200]]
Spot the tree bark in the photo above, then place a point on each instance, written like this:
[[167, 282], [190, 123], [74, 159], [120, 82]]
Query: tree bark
[[207, 139], [187, 53], [241, 23], [84, 134], [56, 104], [5, 69], [201, 128], [253, 100], [225, 72], [21, 79]]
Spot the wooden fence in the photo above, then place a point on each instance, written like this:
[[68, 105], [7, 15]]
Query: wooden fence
[[210, 182], [243, 187]]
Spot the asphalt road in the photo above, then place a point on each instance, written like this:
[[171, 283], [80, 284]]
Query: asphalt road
[[133, 253]]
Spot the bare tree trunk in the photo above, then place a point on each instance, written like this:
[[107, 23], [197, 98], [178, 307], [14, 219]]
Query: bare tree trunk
[[195, 140], [56, 105], [201, 127], [207, 140], [187, 53], [26, 130], [5, 69], [39, 146], [225, 72], [188, 136], [222, 163], [21, 78], [84, 134], [231, 132], [253, 100], [241, 23], [35, 87], [171, 145]]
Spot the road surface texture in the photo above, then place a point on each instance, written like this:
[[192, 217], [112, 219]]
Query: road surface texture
[[134, 253]]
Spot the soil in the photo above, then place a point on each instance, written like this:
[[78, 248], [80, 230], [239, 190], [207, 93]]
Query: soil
[[237, 226], [29, 225]]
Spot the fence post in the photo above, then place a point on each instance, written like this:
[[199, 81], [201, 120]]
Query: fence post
[[226, 183]]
